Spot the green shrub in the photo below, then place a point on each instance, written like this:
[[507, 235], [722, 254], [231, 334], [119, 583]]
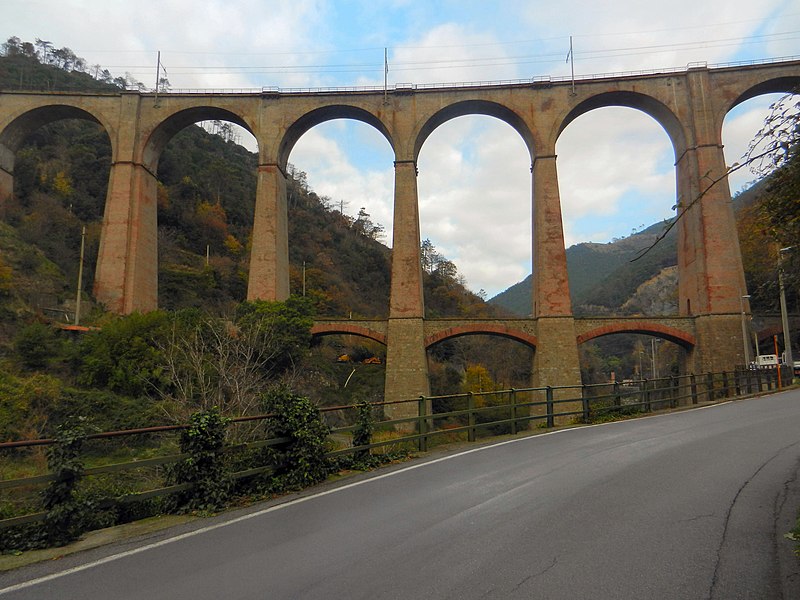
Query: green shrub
[[122, 356], [26, 405], [204, 468], [303, 461], [67, 515], [37, 345]]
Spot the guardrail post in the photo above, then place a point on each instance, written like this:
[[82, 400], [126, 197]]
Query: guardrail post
[[422, 425], [513, 411], [617, 398], [471, 417], [550, 411], [648, 407], [758, 380], [585, 404], [693, 384], [710, 385], [726, 384]]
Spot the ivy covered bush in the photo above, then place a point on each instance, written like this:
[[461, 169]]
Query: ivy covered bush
[[302, 462], [204, 468]]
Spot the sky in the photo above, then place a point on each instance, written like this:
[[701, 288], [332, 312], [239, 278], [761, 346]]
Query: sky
[[615, 165]]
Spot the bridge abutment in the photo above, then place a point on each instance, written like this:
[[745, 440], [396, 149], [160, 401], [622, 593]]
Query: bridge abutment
[[126, 278], [269, 254]]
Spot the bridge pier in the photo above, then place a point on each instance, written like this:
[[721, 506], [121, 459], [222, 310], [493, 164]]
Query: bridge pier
[[550, 281], [555, 361], [710, 272], [269, 254], [406, 358], [126, 278]]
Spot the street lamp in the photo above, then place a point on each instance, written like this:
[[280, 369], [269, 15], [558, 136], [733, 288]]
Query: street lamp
[[745, 337], [787, 340]]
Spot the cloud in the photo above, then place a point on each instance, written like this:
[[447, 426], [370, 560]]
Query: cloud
[[475, 200], [605, 155], [222, 37], [448, 52], [333, 170], [629, 35], [740, 127]]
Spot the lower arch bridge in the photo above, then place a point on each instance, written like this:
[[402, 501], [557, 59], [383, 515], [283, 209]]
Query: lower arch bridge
[[680, 330]]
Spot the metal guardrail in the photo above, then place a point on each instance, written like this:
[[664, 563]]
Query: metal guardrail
[[464, 416]]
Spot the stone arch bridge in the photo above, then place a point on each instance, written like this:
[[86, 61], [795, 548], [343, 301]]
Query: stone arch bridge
[[690, 104]]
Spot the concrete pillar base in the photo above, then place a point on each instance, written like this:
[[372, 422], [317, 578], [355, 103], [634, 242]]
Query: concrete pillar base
[[556, 363], [719, 344], [406, 367]]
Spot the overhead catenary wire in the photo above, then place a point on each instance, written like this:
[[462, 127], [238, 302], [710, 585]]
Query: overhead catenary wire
[[399, 65]]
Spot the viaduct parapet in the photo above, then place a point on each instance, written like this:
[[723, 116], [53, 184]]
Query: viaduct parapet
[[690, 105]]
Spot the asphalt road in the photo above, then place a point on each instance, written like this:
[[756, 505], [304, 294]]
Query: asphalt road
[[688, 505]]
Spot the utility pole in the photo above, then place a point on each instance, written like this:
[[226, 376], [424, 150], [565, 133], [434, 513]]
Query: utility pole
[[385, 75], [158, 75], [787, 338], [571, 59], [80, 279], [653, 356], [745, 336]]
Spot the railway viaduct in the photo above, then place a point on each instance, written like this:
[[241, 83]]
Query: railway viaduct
[[690, 104]]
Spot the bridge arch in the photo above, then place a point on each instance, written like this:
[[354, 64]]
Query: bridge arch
[[164, 131], [473, 107], [482, 329], [321, 115], [672, 334], [773, 85], [747, 90], [22, 125], [649, 105], [323, 329]]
